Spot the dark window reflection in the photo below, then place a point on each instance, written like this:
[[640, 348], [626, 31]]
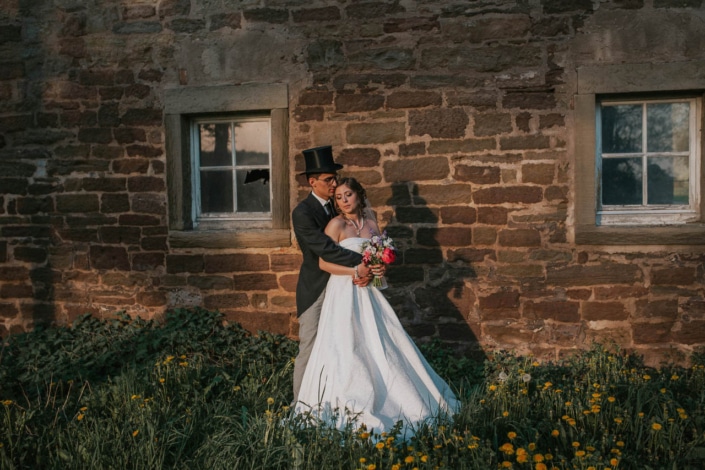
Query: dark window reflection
[[215, 144], [253, 190], [216, 191], [667, 127], [621, 128], [621, 181], [668, 180]]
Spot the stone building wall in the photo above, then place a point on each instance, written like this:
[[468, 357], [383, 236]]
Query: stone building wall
[[458, 117]]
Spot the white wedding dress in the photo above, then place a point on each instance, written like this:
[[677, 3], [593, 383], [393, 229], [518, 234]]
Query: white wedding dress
[[364, 368]]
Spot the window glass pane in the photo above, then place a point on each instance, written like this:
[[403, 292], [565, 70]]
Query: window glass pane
[[667, 127], [621, 128], [252, 143], [253, 190], [215, 144], [667, 181], [216, 191], [621, 181]]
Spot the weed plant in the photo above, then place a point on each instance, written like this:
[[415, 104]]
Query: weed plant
[[193, 392]]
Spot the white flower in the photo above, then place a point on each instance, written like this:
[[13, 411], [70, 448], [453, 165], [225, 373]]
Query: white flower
[[503, 376], [526, 378]]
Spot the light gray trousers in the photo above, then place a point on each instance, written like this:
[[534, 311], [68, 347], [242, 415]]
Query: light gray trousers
[[308, 327]]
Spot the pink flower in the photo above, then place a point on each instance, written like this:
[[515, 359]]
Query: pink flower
[[388, 256]]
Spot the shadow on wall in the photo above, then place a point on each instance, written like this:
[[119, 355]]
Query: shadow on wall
[[428, 292]]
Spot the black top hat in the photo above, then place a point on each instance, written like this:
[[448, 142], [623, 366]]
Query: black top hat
[[320, 160]]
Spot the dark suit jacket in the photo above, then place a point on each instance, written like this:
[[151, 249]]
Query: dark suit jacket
[[310, 220]]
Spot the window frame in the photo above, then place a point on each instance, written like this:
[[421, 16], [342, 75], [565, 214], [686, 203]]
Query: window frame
[[619, 80], [652, 214], [182, 107]]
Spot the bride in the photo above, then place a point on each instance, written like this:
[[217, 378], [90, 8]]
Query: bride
[[364, 369]]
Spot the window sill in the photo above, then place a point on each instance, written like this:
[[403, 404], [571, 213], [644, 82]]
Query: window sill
[[686, 234], [270, 238]]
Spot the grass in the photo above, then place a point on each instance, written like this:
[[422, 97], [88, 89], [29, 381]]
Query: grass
[[193, 392]]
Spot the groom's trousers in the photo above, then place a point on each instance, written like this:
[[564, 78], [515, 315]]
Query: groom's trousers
[[308, 327]]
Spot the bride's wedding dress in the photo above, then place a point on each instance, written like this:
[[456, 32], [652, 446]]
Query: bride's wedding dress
[[364, 368]]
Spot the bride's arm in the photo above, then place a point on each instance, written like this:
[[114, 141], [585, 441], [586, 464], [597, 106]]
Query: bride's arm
[[334, 230]]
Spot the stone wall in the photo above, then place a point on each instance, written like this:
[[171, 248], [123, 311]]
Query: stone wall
[[456, 116]]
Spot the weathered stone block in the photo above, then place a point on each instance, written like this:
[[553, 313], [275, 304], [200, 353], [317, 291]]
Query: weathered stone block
[[153, 243], [16, 291], [478, 174], [285, 262], [405, 274], [458, 215], [255, 281], [330, 13], [484, 235], [413, 99], [142, 117], [417, 23], [358, 103], [83, 203], [529, 100], [323, 54], [104, 184], [267, 15], [563, 311], [508, 194], [417, 169], [471, 255], [563, 6], [152, 299], [111, 203], [120, 235], [30, 254], [421, 256], [538, 173], [366, 157], [412, 150], [667, 308], [224, 301], [132, 165], [149, 203], [184, 264], [367, 133], [674, 276], [147, 261], [410, 215], [593, 275], [496, 58], [137, 27], [303, 114], [492, 215], [690, 333], [598, 311], [525, 142], [492, 124], [211, 282], [444, 236], [145, 184], [223, 20], [236, 262], [34, 205], [95, 135], [109, 257], [519, 237], [440, 123], [138, 219], [107, 152], [461, 146], [8, 310], [79, 234], [650, 333]]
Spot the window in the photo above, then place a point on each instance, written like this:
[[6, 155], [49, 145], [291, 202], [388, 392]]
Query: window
[[647, 163], [638, 175], [228, 166], [232, 159]]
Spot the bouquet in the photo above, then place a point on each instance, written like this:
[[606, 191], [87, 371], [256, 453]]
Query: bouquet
[[379, 249]]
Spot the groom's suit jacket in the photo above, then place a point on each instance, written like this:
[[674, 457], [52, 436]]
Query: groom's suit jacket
[[310, 220]]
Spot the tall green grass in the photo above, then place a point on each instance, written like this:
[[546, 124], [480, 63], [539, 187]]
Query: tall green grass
[[193, 392]]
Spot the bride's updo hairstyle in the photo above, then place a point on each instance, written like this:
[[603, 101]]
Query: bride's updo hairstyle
[[353, 184]]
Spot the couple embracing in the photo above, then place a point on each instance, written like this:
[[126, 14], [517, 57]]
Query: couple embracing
[[356, 364]]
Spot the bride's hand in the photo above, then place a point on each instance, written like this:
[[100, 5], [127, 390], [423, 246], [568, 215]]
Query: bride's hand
[[378, 269]]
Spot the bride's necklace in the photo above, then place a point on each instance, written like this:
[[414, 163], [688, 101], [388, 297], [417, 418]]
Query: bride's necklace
[[362, 223]]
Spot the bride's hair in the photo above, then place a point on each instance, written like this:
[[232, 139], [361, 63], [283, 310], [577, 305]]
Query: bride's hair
[[355, 185]]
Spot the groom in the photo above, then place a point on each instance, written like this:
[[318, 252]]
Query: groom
[[310, 218]]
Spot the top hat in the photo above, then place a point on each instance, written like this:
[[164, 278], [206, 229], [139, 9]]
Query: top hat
[[320, 160]]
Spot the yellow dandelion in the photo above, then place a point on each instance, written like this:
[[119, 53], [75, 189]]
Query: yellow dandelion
[[396, 466], [674, 377], [7, 402], [236, 388], [162, 380], [641, 414], [646, 377], [572, 422], [580, 453], [590, 448], [596, 395], [547, 385], [135, 432], [168, 359], [511, 435], [83, 408], [541, 466], [596, 409], [576, 444], [522, 458], [371, 466], [618, 420], [548, 456], [586, 412], [482, 402], [591, 468], [409, 459], [611, 399], [568, 403], [532, 446], [521, 451], [363, 460], [80, 416], [380, 445], [538, 458], [506, 464], [270, 401], [183, 364], [493, 388], [424, 458], [505, 413], [656, 427], [507, 448], [614, 462], [364, 435], [555, 433], [134, 397], [473, 446], [682, 415], [620, 443], [663, 391], [183, 356]]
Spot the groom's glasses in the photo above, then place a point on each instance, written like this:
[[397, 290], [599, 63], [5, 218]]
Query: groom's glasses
[[328, 180]]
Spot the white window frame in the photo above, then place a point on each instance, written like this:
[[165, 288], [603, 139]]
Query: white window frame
[[652, 215], [225, 220]]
